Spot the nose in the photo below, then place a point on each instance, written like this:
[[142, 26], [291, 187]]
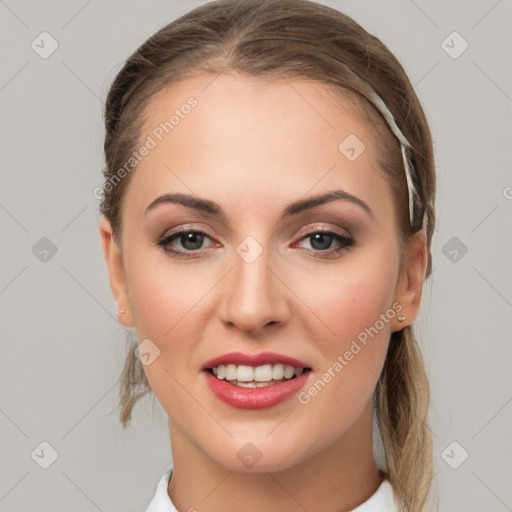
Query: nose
[[253, 295]]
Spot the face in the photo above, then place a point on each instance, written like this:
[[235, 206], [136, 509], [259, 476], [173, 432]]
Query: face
[[244, 272]]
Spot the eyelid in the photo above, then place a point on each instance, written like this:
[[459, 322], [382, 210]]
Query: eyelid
[[322, 229], [186, 228]]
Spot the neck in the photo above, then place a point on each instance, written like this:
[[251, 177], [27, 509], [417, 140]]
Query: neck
[[337, 479]]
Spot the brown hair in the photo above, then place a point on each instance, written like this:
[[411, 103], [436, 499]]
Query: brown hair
[[303, 40]]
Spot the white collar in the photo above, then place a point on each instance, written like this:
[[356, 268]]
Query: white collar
[[381, 501]]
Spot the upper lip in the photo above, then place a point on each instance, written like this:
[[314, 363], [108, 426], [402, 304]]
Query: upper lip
[[254, 360]]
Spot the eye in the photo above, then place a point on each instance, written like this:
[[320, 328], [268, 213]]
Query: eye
[[191, 241], [322, 240]]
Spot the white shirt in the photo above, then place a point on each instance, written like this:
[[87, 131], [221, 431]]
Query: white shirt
[[381, 501]]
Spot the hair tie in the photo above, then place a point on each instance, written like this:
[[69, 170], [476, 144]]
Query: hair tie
[[367, 90]]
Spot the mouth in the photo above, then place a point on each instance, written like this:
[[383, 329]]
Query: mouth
[[248, 381], [256, 377]]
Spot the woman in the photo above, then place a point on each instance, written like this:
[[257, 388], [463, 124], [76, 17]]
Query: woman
[[267, 219]]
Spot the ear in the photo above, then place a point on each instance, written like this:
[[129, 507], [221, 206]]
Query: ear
[[115, 267], [412, 276]]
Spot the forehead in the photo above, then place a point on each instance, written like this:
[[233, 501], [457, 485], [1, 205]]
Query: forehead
[[248, 134], [239, 99]]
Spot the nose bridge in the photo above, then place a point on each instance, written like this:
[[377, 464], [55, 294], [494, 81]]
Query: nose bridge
[[253, 297]]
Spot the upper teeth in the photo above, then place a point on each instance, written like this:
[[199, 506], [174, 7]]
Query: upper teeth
[[264, 373]]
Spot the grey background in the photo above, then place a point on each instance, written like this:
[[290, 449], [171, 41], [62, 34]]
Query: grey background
[[62, 348]]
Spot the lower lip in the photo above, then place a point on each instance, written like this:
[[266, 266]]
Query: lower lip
[[254, 398]]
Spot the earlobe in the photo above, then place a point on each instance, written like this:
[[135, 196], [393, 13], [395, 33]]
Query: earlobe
[[410, 285], [115, 267], [124, 313]]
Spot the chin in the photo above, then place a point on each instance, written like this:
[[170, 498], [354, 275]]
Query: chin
[[258, 454]]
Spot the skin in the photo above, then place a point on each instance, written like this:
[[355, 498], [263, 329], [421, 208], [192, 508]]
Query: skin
[[253, 147]]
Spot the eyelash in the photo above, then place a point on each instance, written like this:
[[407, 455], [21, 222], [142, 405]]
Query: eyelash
[[165, 241]]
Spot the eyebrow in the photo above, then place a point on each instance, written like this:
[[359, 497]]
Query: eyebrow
[[212, 208]]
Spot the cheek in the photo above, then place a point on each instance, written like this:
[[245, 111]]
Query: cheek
[[159, 311], [163, 304], [347, 301], [156, 302], [354, 306], [163, 296]]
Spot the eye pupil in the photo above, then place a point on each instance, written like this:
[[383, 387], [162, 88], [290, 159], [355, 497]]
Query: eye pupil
[[192, 241], [323, 239]]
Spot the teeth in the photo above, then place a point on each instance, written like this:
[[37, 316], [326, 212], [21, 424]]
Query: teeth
[[259, 376], [263, 373], [254, 384], [243, 373], [278, 371], [288, 372], [231, 372], [246, 384]]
